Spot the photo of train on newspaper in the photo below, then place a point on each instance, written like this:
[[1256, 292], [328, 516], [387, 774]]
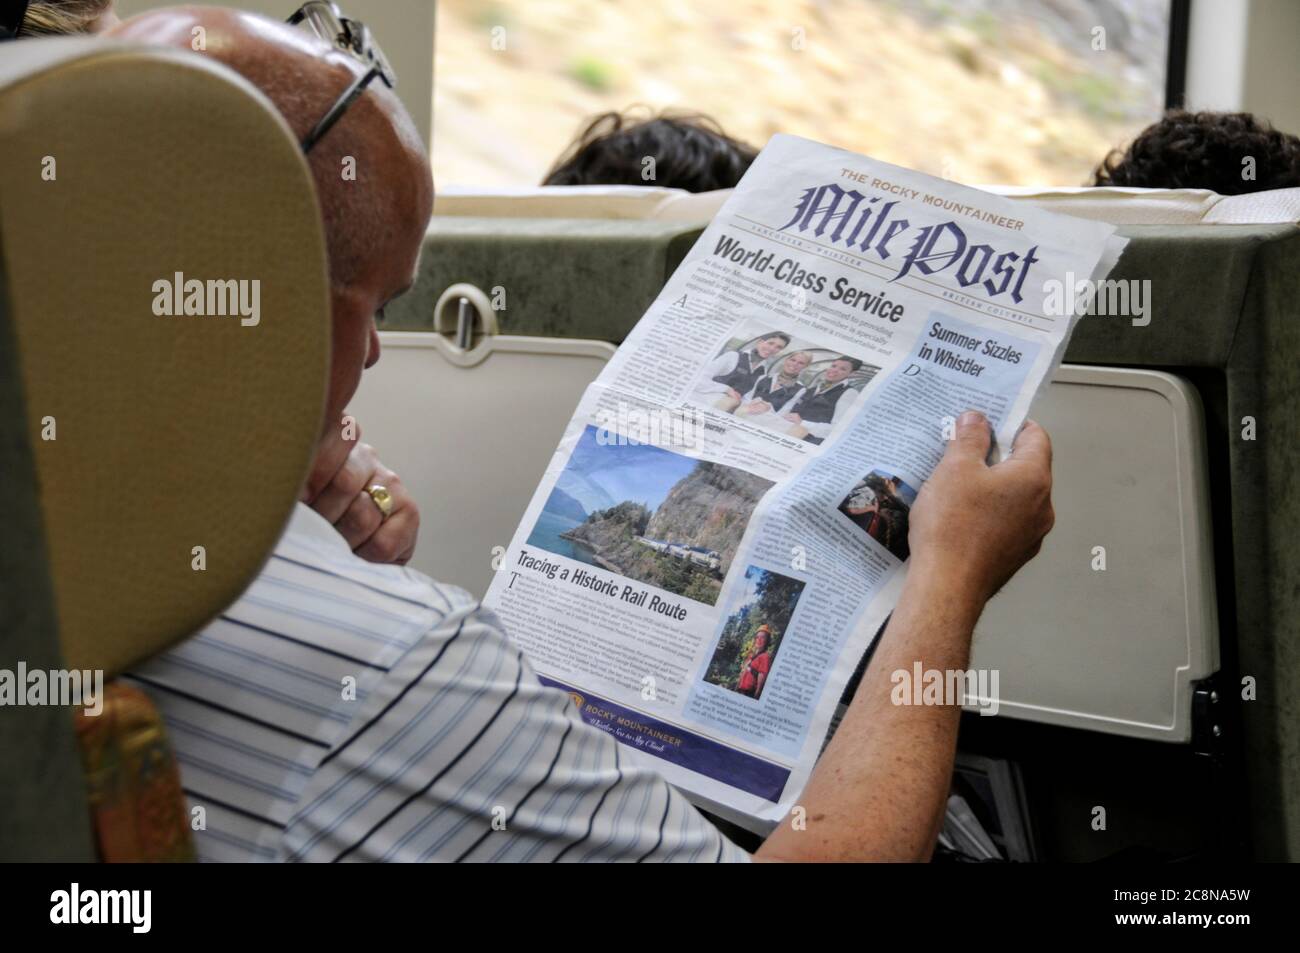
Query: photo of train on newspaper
[[650, 514]]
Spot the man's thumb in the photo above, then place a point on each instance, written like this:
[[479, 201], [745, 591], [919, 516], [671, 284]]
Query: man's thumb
[[972, 437]]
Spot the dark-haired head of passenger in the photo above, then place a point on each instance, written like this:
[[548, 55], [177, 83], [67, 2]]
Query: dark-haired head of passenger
[[689, 152], [57, 18], [1227, 153], [63, 17]]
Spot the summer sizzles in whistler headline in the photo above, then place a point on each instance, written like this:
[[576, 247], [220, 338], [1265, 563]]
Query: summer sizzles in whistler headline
[[826, 329]]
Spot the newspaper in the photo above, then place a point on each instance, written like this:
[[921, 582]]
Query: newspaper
[[723, 529]]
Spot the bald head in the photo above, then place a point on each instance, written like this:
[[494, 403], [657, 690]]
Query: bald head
[[371, 171], [303, 76]]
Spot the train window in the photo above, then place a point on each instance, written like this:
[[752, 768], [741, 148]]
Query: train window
[[1014, 92]]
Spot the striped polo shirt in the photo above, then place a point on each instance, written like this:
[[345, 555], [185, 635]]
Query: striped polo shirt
[[347, 711]]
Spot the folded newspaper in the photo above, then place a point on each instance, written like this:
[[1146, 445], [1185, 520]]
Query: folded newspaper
[[723, 528]]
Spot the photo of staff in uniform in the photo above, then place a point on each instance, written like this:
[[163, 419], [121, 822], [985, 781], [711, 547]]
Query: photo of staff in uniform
[[879, 505], [779, 381], [752, 634]]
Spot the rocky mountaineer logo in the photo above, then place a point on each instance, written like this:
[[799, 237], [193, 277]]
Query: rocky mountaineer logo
[[936, 248]]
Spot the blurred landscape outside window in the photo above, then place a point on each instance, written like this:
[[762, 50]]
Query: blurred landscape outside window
[[1012, 92]]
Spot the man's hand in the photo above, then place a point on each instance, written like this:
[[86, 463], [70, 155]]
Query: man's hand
[[880, 788], [974, 525], [336, 488]]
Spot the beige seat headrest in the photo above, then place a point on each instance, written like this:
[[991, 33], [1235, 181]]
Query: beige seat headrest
[[169, 449]]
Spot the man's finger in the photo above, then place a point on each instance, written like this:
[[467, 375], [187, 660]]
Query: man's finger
[[971, 438], [395, 538], [361, 522], [355, 475], [1032, 444], [330, 456]]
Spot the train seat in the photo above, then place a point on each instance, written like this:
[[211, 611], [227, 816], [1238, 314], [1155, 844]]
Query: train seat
[[150, 463]]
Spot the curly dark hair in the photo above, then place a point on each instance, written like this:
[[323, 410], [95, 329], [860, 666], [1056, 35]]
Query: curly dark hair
[[1204, 150], [62, 17], [690, 150]]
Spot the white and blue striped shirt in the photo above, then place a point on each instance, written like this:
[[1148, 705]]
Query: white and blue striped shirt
[[346, 711]]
